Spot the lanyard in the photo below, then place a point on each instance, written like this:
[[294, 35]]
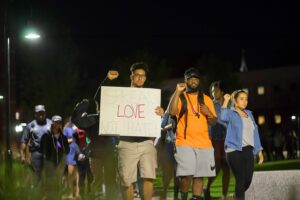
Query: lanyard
[[196, 113]]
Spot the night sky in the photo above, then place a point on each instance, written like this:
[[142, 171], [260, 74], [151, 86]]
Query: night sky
[[179, 32]]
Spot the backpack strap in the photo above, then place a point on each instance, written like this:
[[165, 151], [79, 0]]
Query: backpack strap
[[200, 97], [186, 123], [183, 106], [183, 111]]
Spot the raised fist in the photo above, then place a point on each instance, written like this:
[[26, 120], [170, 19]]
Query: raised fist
[[227, 97], [181, 87], [112, 74]]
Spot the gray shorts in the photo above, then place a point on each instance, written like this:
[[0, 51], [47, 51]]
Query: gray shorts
[[196, 162]]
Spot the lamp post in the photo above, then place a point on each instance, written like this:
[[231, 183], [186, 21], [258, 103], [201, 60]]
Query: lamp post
[[7, 34]]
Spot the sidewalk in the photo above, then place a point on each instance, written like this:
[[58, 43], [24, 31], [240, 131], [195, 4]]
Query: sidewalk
[[155, 198]]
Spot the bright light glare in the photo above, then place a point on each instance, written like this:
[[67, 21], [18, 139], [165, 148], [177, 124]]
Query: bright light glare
[[32, 36], [1, 97], [19, 128], [293, 117]]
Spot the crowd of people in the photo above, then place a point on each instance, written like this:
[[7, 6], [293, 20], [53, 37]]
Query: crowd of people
[[200, 135]]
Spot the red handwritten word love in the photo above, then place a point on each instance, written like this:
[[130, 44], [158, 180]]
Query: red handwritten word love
[[131, 111]]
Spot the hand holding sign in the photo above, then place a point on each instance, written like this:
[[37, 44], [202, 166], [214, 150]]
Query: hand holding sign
[[159, 111]]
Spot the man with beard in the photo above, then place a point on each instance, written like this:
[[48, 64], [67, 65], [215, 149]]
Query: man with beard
[[194, 152], [33, 134]]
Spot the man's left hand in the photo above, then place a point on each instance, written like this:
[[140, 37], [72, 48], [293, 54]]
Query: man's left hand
[[159, 111], [205, 110]]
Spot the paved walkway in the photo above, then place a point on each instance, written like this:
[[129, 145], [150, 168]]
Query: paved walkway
[[155, 198]]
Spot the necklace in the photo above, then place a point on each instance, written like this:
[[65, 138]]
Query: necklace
[[196, 113]]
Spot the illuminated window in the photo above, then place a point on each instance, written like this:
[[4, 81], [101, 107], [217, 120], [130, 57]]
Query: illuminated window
[[277, 119], [260, 90], [261, 119], [17, 115]]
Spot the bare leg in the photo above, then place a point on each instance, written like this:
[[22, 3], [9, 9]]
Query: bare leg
[[128, 193], [148, 188], [197, 186], [185, 182]]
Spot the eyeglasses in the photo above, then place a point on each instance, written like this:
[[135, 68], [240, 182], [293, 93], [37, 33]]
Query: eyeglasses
[[139, 76]]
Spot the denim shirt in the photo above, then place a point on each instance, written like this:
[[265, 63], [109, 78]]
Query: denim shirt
[[234, 135]]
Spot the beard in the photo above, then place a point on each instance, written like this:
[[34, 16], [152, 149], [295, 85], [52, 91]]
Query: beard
[[190, 89]]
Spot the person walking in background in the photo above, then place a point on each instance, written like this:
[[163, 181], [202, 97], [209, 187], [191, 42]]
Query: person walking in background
[[54, 146], [267, 141], [242, 141], [71, 160], [84, 166], [165, 155], [194, 152], [32, 135], [217, 135], [279, 142]]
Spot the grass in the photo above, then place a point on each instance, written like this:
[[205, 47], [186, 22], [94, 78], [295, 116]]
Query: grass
[[17, 185]]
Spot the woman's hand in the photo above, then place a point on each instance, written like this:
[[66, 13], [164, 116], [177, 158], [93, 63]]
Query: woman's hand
[[226, 100], [260, 157]]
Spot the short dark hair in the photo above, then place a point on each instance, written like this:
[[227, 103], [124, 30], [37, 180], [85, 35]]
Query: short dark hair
[[139, 65], [219, 84]]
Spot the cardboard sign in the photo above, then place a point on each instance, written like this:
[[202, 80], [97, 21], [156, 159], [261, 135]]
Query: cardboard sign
[[128, 111]]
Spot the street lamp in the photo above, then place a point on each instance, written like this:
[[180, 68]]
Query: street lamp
[[30, 36], [7, 32]]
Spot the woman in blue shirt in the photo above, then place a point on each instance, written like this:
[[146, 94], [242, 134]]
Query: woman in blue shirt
[[242, 141]]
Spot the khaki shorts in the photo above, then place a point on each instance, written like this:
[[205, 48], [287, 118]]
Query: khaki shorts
[[196, 162], [132, 155]]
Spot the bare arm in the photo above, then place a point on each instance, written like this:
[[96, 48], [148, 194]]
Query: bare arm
[[260, 157], [22, 152], [226, 100], [111, 75], [24, 141], [173, 105]]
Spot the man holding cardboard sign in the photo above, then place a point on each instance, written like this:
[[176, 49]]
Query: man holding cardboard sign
[[134, 150]]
